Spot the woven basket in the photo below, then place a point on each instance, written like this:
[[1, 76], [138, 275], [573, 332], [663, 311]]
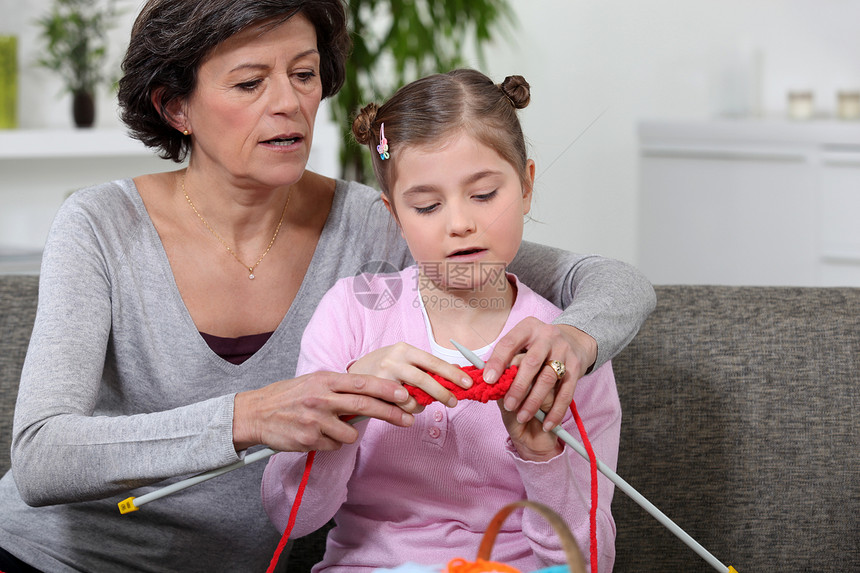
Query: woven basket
[[575, 562]]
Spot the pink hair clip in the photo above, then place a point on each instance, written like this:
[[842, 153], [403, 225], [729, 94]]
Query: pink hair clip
[[382, 148]]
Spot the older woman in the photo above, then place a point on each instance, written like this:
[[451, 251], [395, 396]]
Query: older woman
[[172, 305]]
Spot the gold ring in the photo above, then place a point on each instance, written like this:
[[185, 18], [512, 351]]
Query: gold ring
[[557, 367]]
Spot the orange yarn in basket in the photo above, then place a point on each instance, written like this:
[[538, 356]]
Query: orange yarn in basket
[[459, 565]]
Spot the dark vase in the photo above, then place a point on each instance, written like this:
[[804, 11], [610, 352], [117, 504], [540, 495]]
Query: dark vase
[[83, 108]]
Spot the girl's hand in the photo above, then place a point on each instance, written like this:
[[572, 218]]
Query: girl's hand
[[305, 413], [409, 365], [541, 342], [530, 439]]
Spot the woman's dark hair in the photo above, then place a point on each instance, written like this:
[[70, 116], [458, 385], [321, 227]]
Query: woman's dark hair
[[171, 38], [433, 109]]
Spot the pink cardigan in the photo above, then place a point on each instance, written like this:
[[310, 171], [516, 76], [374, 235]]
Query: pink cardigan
[[425, 494]]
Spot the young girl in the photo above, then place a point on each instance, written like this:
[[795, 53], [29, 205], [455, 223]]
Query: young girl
[[451, 161]]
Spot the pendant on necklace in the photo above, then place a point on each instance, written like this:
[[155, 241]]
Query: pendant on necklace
[[251, 273]]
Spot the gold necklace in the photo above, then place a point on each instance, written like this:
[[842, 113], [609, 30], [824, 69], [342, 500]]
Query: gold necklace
[[223, 242]]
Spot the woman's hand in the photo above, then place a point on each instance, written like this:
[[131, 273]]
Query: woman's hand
[[409, 365], [305, 413], [541, 342]]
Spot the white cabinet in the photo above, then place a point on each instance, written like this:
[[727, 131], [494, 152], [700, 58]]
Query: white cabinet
[[750, 203], [839, 217]]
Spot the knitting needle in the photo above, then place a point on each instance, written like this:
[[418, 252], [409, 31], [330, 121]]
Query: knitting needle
[[133, 503], [617, 480]]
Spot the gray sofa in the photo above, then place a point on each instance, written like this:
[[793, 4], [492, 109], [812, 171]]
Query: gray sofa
[[741, 408]]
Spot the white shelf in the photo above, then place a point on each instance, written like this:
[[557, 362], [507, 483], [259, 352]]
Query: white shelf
[[774, 133], [59, 143], [19, 261], [40, 167]]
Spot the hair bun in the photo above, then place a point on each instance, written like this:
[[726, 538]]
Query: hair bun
[[518, 90], [362, 126]]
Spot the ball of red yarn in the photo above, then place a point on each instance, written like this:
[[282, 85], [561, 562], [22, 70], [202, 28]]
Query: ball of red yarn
[[480, 390]]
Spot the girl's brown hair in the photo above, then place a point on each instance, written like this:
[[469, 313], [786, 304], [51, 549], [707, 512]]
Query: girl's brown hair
[[431, 110], [170, 39]]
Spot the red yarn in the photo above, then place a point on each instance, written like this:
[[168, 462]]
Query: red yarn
[[295, 510], [592, 462], [482, 392]]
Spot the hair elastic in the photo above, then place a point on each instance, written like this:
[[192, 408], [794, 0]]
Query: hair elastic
[[382, 148]]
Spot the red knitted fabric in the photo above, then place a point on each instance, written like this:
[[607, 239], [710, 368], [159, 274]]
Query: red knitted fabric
[[480, 390]]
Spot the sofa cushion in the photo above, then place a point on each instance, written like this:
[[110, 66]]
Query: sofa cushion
[[740, 414], [18, 295]]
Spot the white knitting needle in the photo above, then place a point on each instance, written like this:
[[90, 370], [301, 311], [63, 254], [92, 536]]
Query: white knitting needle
[[617, 480], [133, 503]]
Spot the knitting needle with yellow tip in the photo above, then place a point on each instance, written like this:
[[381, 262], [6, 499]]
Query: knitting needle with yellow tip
[[617, 480], [131, 504]]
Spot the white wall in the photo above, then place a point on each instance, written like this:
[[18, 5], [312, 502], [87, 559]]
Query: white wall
[[41, 100], [596, 68], [608, 63]]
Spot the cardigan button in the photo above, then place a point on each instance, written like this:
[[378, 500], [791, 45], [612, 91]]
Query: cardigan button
[[437, 415], [434, 432]]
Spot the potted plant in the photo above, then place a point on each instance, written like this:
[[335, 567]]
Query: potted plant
[[75, 36], [397, 41]]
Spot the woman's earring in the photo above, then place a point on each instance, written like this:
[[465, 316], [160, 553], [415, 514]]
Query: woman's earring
[[186, 132]]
